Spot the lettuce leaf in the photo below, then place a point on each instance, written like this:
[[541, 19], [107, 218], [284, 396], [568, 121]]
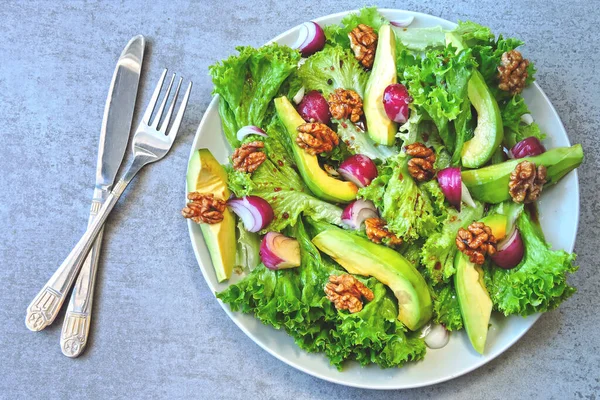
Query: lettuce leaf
[[294, 300], [446, 310], [437, 254], [438, 85], [280, 185], [539, 282], [359, 142], [247, 248], [407, 209], [247, 83], [332, 68], [514, 129]]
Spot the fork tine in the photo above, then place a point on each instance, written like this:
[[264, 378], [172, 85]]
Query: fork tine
[[165, 124], [161, 109], [152, 104], [175, 128]]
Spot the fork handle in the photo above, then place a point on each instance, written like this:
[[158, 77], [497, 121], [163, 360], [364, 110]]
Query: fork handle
[[45, 306], [76, 325]]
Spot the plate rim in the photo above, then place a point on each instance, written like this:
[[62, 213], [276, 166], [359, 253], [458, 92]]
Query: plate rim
[[532, 318]]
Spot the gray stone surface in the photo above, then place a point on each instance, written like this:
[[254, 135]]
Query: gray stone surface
[[158, 332]]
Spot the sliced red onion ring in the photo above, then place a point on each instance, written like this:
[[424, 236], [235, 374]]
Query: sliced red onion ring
[[527, 147], [279, 252], [395, 102], [451, 184], [299, 95], [359, 169], [403, 23], [510, 251], [355, 213], [249, 130], [255, 212], [314, 108], [311, 39]]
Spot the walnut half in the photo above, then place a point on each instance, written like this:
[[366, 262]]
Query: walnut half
[[315, 138], [476, 241], [248, 157], [512, 72], [363, 41], [346, 292], [377, 232], [526, 182], [345, 104], [420, 166], [204, 208]]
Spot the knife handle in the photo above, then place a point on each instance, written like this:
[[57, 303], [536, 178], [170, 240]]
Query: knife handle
[[76, 325]]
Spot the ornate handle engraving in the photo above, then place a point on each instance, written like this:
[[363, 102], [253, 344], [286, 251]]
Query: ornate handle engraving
[[74, 334], [43, 309]]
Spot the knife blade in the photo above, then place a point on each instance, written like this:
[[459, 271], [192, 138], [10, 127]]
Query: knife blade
[[114, 135]]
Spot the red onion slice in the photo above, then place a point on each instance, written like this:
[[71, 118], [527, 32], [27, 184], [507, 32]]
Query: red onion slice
[[311, 39], [314, 108], [355, 213], [451, 184], [255, 212], [279, 252], [527, 119], [510, 251], [527, 147], [403, 23], [395, 102], [249, 130], [359, 169], [465, 195]]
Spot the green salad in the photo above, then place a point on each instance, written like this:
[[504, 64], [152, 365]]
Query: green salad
[[382, 188]]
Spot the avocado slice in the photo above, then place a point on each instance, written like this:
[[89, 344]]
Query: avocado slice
[[381, 129], [490, 184], [473, 299], [317, 180], [489, 131], [363, 257], [206, 175], [498, 223]]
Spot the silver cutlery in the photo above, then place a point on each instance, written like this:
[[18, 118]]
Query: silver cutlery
[[151, 142], [114, 135]]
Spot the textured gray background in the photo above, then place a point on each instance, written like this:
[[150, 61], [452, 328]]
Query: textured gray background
[[158, 331]]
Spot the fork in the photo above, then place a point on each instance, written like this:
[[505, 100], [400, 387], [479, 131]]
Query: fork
[[150, 144]]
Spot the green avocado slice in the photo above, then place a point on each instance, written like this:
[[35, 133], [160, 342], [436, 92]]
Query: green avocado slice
[[489, 131], [317, 180], [381, 129], [363, 257], [206, 175], [473, 299]]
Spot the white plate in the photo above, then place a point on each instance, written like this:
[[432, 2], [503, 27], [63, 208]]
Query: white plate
[[559, 213]]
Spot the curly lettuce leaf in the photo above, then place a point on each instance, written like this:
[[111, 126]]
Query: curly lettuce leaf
[[446, 310], [294, 300], [283, 188], [539, 282], [247, 83], [359, 142], [332, 68], [407, 208], [437, 254], [337, 35], [514, 129], [438, 85]]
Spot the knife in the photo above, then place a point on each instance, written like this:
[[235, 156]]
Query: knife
[[114, 135]]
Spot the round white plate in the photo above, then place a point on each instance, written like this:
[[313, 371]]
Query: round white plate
[[559, 213]]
